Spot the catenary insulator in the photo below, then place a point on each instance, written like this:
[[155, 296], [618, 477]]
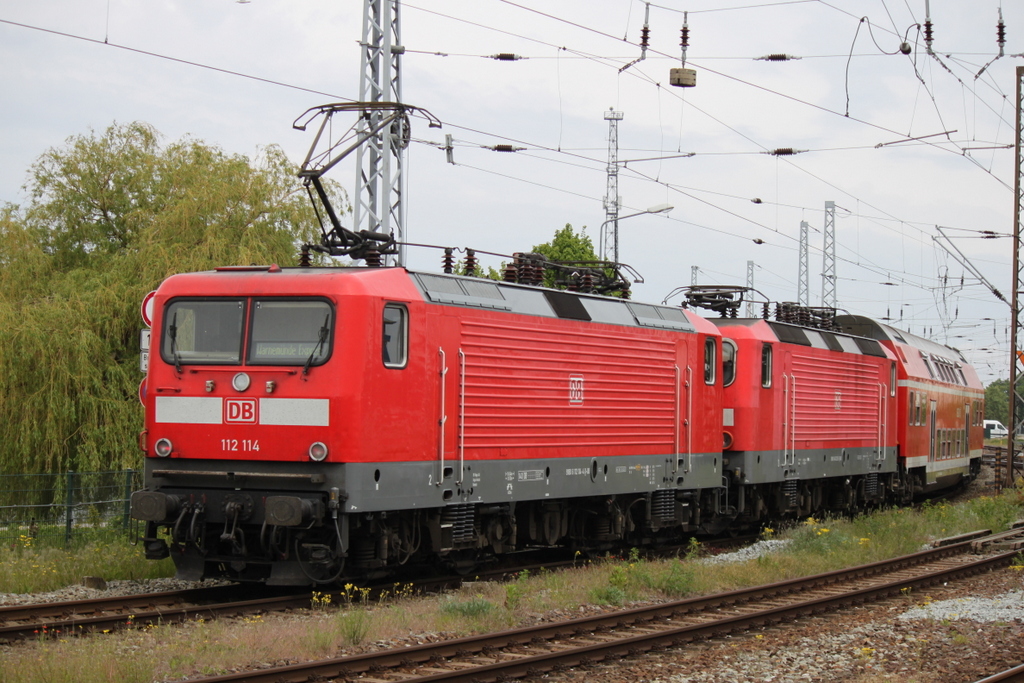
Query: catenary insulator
[[506, 148], [777, 57], [507, 57]]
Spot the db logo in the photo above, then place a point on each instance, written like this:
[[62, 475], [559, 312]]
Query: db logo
[[243, 410], [576, 389]]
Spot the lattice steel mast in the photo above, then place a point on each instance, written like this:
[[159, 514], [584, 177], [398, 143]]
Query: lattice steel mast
[[803, 278], [1016, 416], [612, 201], [379, 162], [828, 267], [750, 286]]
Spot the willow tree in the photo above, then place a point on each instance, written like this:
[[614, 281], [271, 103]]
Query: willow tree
[[109, 216]]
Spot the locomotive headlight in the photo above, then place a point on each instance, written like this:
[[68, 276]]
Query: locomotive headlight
[[240, 381], [163, 447], [318, 451]]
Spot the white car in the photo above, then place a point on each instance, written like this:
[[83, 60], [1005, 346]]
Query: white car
[[994, 429]]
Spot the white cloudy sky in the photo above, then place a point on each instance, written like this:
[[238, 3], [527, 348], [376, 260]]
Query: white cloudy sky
[[236, 74]]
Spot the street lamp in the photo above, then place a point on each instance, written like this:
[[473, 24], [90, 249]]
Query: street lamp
[[659, 208]]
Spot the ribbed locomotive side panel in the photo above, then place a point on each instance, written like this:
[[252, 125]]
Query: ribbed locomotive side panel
[[531, 387], [836, 400]]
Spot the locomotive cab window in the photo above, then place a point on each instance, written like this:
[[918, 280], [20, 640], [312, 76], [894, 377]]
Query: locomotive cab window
[[203, 331], [728, 362], [766, 365], [395, 342], [290, 332], [710, 358]]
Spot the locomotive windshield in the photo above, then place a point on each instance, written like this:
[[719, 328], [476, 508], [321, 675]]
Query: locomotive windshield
[[280, 331], [203, 331], [290, 332]]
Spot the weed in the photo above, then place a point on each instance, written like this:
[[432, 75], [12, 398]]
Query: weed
[[679, 580], [354, 625], [472, 608], [516, 590], [320, 601], [608, 595]]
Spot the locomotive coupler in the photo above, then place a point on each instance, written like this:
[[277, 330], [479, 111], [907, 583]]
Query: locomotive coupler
[[156, 548], [232, 511]]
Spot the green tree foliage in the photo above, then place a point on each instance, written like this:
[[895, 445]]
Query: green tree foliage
[[997, 401], [566, 246], [109, 216]]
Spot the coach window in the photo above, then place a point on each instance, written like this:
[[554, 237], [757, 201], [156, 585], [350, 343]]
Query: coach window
[[728, 362], [928, 365], [396, 336], [710, 358], [766, 365]]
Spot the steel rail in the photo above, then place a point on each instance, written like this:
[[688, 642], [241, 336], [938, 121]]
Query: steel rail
[[644, 621], [1015, 674]]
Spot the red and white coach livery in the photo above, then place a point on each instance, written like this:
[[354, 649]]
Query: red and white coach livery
[[941, 406]]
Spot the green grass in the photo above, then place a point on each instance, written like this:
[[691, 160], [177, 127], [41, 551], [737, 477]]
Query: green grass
[[27, 567]]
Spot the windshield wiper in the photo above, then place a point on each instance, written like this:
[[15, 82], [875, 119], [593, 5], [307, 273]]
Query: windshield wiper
[[173, 332], [318, 348]]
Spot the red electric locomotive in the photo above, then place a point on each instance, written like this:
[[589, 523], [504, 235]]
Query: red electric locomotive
[[808, 412], [309, 424], [941, 407]]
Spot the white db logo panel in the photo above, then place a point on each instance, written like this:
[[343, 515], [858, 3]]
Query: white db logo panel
[[241, 411], [575, 389]]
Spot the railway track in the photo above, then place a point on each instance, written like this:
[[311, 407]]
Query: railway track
[[104, 614], [549, 648], [1014, 675], [110, 613]]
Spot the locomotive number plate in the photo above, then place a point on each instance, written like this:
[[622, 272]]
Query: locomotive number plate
[[239, 445]]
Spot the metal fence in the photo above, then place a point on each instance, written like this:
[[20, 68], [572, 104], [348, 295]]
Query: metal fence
[[57, 510]]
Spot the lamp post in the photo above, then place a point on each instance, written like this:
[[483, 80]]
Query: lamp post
[[659, 208]]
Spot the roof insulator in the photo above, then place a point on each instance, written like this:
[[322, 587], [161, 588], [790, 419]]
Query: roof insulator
[[777, 57], [507, 57]]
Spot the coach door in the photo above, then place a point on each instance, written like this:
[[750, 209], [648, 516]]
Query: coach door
[[932, 431]]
